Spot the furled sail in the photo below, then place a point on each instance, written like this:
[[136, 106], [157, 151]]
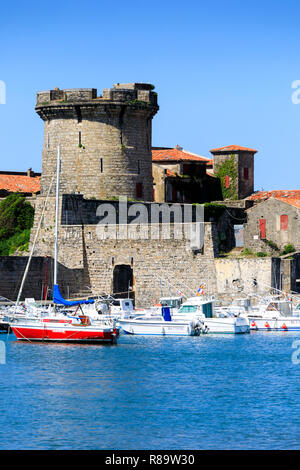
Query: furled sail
[[58, 299]]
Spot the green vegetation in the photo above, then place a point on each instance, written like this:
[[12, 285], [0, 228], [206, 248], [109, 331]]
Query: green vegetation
[[261, 254], [213, 211], [247, 251], [289, 248], [228, 168], [16, 220]]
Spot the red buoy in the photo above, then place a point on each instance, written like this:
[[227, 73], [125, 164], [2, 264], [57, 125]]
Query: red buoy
[[284, 326], [267, 325], [253, 324]]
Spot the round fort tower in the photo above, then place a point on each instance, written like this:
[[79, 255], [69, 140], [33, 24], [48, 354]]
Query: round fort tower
[[105, 141]]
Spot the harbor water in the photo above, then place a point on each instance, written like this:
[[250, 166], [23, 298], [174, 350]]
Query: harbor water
[[207, 392]]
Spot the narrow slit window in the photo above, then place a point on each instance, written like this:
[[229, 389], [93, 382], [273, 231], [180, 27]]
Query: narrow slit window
[[139, 190], [139, 167], [101, 165], [79, 138]]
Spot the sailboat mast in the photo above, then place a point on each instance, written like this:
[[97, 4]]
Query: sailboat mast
[[56, 215]]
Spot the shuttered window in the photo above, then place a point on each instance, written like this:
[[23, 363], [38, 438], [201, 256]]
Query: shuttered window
[[262, 228], [284, 222]]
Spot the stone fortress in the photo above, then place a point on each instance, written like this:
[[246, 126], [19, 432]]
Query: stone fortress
[[106, 144]]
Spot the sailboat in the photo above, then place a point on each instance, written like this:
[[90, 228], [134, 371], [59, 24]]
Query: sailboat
[[62, 326]]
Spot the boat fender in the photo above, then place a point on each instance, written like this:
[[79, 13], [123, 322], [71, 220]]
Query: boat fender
[[253, 324], [284, 327], [267, 325]]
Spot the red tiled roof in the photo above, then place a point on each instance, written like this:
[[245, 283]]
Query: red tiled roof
[[291, 197], [20, 183], [233, 148], [175, 155], [292, 201]]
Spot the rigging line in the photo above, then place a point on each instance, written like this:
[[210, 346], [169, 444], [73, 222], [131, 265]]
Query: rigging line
[[34, 242]]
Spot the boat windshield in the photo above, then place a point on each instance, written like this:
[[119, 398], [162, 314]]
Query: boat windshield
[[188, 309]]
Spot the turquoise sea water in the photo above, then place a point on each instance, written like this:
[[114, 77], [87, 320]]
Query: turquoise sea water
[[207, 392]]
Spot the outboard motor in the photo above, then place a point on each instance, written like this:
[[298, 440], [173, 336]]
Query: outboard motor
[[165, 311]]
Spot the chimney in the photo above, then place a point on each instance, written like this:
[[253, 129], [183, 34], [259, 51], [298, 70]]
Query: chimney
[[30, 173], [177, 147]]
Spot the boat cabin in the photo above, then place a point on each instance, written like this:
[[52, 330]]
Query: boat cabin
[[285, 307], [121, 305], [172, 302], [196, 305]]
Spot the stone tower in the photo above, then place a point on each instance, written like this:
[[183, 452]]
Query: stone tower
[[105, 140], [234, 166]]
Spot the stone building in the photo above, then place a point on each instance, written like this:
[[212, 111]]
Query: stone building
[[181, 176], [274, 223], [105, 153], [234, 165]]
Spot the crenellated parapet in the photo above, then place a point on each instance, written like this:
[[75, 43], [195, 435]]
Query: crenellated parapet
[[131, 95]]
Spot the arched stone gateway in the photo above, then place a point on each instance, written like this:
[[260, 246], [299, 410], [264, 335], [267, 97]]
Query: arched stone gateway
[[123, 281]]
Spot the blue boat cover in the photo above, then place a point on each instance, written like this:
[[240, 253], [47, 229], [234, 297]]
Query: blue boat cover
[[166, 313], [58, 299]]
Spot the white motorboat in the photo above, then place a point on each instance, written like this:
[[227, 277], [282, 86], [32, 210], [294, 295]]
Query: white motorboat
[[274, 313], [199, 308], [161, 324]]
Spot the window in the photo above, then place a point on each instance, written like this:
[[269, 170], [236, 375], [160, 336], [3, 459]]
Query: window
[[246, 173], [79, 138], [226, 181], [139, 190], [188, 309], [262, 228], [138, 166], [101, 165], [284, 222]]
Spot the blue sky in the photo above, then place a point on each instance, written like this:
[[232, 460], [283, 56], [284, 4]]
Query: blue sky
[[222, 70]]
